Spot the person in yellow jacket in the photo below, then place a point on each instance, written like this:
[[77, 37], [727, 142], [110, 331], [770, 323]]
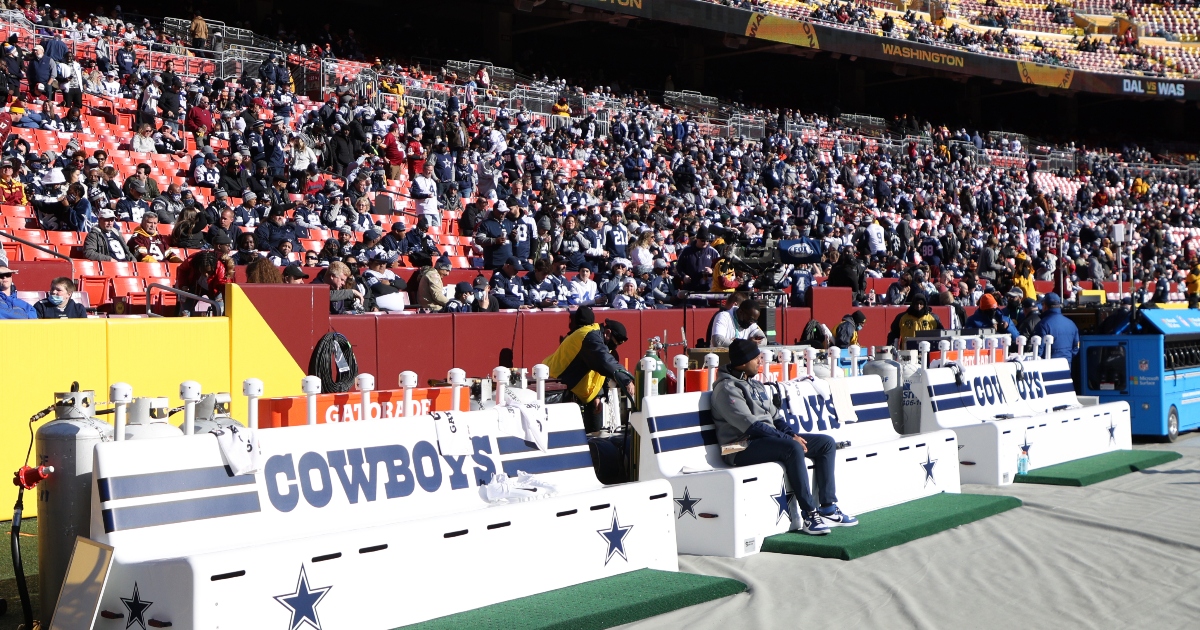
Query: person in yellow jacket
[[583, 362], [1193, 285], [1023, 279], [724, 280], [918, 317]]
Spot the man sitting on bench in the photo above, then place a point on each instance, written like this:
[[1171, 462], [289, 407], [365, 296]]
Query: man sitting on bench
[[749, 433]]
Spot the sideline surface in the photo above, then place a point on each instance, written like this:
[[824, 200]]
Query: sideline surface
[[1121, 553]]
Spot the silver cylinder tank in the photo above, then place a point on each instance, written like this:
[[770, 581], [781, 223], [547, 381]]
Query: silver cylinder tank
[[64, 499], [890, 373], [212, 412]]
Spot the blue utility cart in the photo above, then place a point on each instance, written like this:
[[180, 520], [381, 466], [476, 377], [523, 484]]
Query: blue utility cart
[[1155, 367]]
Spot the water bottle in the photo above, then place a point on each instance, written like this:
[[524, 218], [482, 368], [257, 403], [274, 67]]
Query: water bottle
[[871, 298], [1022, 464]]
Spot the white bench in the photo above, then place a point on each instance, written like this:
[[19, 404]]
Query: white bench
[[365, 524], [726, 511], [1002, 410]]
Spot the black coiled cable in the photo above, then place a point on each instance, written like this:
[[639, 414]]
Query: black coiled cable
[[333, 362]]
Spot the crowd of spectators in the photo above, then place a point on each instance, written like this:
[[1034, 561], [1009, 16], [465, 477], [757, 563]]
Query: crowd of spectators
[[635, 206], [999, 34]]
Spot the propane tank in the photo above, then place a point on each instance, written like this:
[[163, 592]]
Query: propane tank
[[912, 405], [658, 376], [148, 419], [212, 412], [821, 370], [64, 499], [889, 371]]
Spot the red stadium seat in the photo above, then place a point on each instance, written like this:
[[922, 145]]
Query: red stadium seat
[[12, 250], [33, 236], [96, 288], [132, 290], [151, 271], [86, 267], [57, 237], [114, 269]]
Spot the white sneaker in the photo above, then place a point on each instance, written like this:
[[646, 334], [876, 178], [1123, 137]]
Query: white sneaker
[[529, 481], [502, 489]]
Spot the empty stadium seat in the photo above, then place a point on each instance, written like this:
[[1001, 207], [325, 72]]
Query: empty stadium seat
[[96, 288], [84, 267]]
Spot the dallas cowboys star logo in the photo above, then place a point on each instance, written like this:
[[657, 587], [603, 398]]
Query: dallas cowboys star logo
[[136, 607], [1112, 432], [303, 603], [687, 505], [615, 537], [928, 465], [781, 501], [1025, 446]]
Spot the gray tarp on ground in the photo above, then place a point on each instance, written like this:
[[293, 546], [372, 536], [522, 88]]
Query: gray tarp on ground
[[1124, 553]]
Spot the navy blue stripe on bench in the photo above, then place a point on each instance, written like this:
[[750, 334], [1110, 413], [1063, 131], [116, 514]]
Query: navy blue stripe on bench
[[684, 440], [1059, 388], [679, 421], [862, 399], [548, 463], [874, 413], [958, 402], [556, 439], [169, 482], [1061, 375], [947, 388], [171, 512]]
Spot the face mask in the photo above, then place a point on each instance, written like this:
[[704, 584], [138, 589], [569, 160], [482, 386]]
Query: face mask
[[469, 298], [56, 300], [176, 198]]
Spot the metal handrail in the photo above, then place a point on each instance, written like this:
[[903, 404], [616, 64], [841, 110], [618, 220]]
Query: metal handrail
[[36, 246], [162, 287]]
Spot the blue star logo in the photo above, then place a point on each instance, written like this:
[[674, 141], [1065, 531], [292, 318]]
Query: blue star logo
[[928, 465], [1112, 432], [303, 603], [781, 502], [615, 535], [136, 607], [1025, 446], [687, 505]]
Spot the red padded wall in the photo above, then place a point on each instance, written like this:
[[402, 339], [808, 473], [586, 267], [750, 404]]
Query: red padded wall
[[483, 341], [655, 321], [421, 343], [37, 275], [874, 332], [541, 335], [695, 322], [361, 333], [794, 320]]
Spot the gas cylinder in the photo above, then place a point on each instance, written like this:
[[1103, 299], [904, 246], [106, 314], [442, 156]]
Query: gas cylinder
[[912, 404], [658, 376], [212, 412], [888, 370], [148, 418], [64, 499]]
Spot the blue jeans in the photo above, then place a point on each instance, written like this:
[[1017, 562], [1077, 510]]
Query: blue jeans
[[789, 453]]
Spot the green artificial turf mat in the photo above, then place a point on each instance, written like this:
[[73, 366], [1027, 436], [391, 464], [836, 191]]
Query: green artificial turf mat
[[893, 526], [602, 603], [1097, 468]]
